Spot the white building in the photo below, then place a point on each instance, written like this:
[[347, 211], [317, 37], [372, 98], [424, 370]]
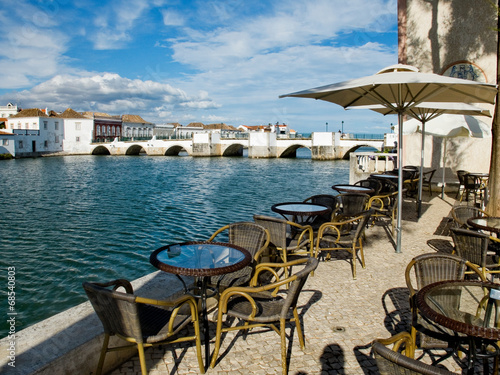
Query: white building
[[8, 110], [7, 143], [134, 126], [78, 132], [36, 132]]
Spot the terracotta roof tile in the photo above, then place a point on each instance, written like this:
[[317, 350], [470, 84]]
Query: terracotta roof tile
[[31, 112], [69, 113]]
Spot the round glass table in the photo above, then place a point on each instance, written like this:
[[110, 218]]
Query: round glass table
[[302, 213], [465, 307], [488, 223], [200, 260], [353, 189]]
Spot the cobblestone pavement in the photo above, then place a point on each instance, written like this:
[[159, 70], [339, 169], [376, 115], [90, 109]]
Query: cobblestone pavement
[[341, 316]]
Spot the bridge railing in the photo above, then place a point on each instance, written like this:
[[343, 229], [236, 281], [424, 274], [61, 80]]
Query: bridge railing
[[362, 164]]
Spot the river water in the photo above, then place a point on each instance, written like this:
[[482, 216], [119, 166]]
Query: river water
[[65, 220]]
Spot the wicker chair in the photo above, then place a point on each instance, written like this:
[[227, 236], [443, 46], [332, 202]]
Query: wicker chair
[[392, 362], [249, 236], [262, 306], [350, 205], [474, 246], [384, 207], [427, 269], [461, 183], [471, 186], [371, 183], [427, 180], [138, 321], [326, 200], [290, 239], [461, 214], [334, 236]]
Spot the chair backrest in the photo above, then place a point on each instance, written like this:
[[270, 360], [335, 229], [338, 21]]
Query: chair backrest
[[433, 267], [250, 236], [117, 311], [371, 183], [326, 200], [277, 228], [461, 214], [461, 176], [352, 204], [390, 362], [471, 245], [427, 176], [470, 182], [297, 285]]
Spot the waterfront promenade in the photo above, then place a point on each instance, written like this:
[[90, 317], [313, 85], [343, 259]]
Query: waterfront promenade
[[341, 316]]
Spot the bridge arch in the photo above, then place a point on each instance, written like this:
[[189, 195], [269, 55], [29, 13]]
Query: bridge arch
[[175, 150], [291, 151], [135, 150], [236, 149], [101, 150], [353, 149]]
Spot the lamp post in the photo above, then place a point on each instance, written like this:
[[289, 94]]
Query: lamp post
[[342, 135], [326, 126]]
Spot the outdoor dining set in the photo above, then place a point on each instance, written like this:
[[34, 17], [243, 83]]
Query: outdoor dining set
[[254, 272]]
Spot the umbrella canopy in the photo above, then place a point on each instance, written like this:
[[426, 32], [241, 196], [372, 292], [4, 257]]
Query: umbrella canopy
[[400, 88], [424, 112], [448, 126]]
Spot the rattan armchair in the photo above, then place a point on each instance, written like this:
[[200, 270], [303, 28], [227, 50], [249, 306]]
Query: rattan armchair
[[461, 183], [471, 186], [371, 183], [461, 214], [427, 180], [426, 269], [394, 362], [344, 235], [326, 200], [474, 246], [350, 205], [250, 236], [289, 238], [263, 306], [384, 207], [138, 321]]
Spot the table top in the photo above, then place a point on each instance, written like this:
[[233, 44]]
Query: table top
[[300, 208], [200, 258], [380, 175], [454, 305], [353, 189], [489, 223], [478, 174]]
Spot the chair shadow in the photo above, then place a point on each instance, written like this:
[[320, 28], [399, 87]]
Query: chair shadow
[[365, 359], [441, 245], [397, 313], [302, 309]]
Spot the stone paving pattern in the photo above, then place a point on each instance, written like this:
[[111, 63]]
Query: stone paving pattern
[[341, 316]]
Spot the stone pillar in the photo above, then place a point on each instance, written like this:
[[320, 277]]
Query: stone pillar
[[323, 147], [201, 144], [262, 145]]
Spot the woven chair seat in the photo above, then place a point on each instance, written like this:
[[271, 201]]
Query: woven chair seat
[[269, 307], [154, 323]]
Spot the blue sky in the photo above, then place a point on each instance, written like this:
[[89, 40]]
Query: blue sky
[[196, 61]]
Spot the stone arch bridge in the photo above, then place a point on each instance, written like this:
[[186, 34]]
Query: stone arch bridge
[[323, 146]]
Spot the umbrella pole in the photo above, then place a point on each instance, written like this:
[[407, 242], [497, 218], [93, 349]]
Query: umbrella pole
[[420, 182], [400, 182], [444, 168]]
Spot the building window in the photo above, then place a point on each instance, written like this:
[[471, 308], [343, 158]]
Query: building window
[[5, 142], [20, 144], [78, 139], [118, 132], [98, 130], [46, 144], [27, 125], [57, 125], [57, 139], [78, 126], [45, 125]]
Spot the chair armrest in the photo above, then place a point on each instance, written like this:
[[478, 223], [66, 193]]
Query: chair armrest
[[398, 340], [176, 305], [273, 268], [225, 227], [125, 284]]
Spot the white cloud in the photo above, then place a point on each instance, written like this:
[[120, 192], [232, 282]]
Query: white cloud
[[172, 18], [108, 92]]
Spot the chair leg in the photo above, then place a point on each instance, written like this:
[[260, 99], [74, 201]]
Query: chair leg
[[198, 346], [283, 347], [104, 350], [299, 329], [142, 358], [217, 339], [353, 263]]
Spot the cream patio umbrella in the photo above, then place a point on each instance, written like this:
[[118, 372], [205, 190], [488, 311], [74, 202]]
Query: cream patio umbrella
[[400, 88], [448, 126], [429, 111]]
